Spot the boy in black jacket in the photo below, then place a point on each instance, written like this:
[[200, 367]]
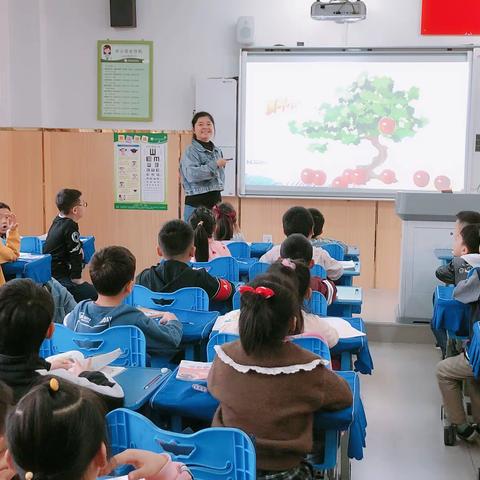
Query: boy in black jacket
[[175, 244], [64, 245]]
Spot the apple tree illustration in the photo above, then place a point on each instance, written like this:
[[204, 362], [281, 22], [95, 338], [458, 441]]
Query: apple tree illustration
[[369, 109]]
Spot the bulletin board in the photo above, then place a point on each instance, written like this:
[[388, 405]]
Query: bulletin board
[[444, 17], [124, 80]]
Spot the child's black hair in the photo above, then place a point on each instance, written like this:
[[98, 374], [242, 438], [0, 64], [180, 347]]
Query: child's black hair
[[297, 220], [111, 269], [203, 224], [226, 219], [26, 312], [175, 238], [67, 199], [318, 221], [6, 401], [297, 247], [55, 435], [471, 237], [197, 117], [4, 205], [265, 322]]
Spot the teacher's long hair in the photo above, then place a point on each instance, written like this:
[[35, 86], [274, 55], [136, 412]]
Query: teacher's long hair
[[203, 223]]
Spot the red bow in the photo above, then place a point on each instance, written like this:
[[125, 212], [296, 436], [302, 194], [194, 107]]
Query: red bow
[[263, 291]]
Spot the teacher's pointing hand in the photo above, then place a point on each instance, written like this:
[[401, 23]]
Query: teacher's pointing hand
[[221, 162]]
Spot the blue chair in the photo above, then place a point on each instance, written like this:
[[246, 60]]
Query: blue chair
[[317, 304], [335, 250], [313, 344], [31, 245], [211, 454], [239, 249], [318, 271], [222, 267], [191, 298], [129, 339], [256, 269], [236, 301]]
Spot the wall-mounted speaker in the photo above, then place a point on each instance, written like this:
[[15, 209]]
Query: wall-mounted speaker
[[245, 30], [123, 13]]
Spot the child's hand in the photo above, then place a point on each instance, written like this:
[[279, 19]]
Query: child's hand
[[167, 317], [79, 366], [5, 472], [12, 221], [65, 363]]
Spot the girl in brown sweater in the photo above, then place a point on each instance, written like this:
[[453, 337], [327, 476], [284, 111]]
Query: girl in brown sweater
[[269, 387]]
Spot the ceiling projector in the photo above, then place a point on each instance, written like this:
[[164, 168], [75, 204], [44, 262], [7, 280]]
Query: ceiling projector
[[340, 11]]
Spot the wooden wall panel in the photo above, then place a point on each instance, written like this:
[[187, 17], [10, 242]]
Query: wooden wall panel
[[21, 178], [387, 247], [85, 161], [350, 221]]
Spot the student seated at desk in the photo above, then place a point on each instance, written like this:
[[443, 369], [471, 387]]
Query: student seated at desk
[[206, 248], [226, 227], [175, 244], [10, 251], [297, 247], [6, 402], [296, 276], [452, 371], [112, 271], [318, 224], [58, 432], [26, 313], [465, 249], [269, 387], [64, 245], [299, 220]]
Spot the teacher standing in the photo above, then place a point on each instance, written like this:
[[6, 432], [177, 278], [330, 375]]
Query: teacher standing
[[202, 167]]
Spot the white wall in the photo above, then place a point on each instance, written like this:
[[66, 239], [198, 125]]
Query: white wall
[[53, 67]]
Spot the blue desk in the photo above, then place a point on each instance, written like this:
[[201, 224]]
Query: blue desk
[[353, 253], [179, 398], [347, 278], [474, 350], [445, 255], [257, 249], [357, 346], [36, 267], [349, 301], [140, 383]]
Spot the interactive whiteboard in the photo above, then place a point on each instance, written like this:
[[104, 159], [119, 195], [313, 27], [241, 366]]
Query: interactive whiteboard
[[353, 123]]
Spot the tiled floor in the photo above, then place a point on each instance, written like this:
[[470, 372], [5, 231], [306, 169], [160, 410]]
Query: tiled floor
[[404, 433]]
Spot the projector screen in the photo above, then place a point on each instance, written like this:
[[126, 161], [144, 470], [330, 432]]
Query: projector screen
[[353, 124]]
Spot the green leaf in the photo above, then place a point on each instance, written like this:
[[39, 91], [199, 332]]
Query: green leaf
[[318, 147], [413, 93]]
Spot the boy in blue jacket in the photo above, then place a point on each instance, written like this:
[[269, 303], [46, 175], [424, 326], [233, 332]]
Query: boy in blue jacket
[[112, 271]]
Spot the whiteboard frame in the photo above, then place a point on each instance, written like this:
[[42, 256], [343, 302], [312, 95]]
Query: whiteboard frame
[[472, 158]]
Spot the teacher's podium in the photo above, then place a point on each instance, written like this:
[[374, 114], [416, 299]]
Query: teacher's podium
[[428, 224]]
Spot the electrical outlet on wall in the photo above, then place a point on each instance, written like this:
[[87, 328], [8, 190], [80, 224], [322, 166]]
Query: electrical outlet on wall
[[267, 238]]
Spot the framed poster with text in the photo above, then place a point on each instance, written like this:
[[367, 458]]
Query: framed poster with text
[[140, 162], [124, 80]]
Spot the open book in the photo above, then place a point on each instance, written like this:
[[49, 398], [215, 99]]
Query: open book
[[149, 312], [97, 363], [189, 370], [347, 264]]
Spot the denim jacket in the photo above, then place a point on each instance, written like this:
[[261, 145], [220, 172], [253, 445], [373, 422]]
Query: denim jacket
[[199, 171]]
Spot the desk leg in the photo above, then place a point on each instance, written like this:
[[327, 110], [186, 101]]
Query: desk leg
[[345, 467]]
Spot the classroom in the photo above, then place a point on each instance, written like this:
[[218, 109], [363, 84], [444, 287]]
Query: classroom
[[173, 172]]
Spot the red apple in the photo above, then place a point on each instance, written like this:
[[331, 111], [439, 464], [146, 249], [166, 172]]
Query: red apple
[[319, 178], [388, 177], [360, 176], [421, 178], [348, 175], [387, 125], [307, 175], [442, 183], [340, 182]]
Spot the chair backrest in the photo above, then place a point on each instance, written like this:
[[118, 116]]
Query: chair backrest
[[257, 249], [335, 250], [191, 298], [129, 339], [211, 454], [222, 267], [239, 249], [317, 304], [313, 344], [256, 269], [31, 245], [236, 300], [318, 271]]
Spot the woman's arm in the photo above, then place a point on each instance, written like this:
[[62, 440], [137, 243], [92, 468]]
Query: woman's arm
[[193, 170]]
